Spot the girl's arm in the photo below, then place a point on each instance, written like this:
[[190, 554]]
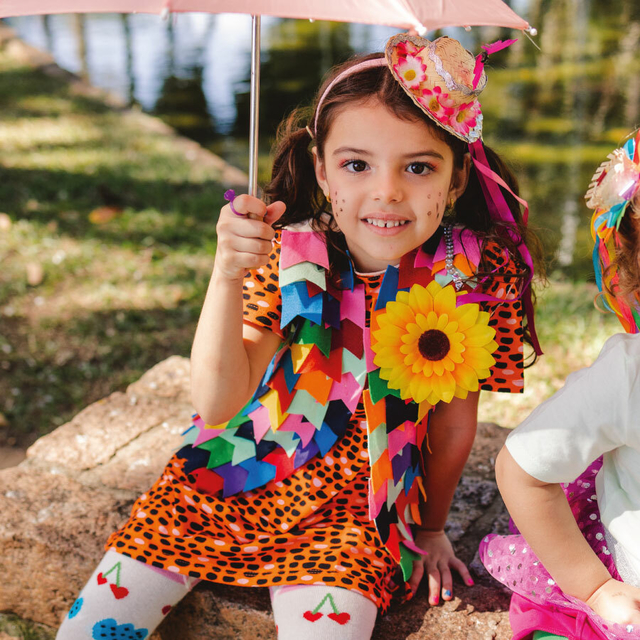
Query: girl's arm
[[542, 513], [451, 433], [228, 357]]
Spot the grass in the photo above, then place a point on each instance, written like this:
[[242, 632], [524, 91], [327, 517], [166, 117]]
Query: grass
[[107, 238], [571, 333], [106, 244], [15, 627]]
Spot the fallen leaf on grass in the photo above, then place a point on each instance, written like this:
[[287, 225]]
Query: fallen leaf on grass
[[32, 205], [35, 273], [102, 215]]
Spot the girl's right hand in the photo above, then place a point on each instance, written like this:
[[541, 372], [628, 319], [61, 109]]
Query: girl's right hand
[[244, 241], [617, 602]]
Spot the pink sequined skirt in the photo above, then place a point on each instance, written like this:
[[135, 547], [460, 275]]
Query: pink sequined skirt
[[538, 603]]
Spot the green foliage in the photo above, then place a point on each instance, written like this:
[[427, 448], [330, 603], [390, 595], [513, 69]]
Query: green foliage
[[107, 243], [571, 332], [15, 627]]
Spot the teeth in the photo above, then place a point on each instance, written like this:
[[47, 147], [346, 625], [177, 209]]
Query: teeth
[[388, 224]]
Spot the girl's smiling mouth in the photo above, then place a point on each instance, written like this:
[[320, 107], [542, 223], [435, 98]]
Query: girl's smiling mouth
[[376, 222], [385, 225]]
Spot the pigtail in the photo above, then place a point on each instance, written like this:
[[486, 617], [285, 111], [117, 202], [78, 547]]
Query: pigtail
[[472, 212], [293, 179]]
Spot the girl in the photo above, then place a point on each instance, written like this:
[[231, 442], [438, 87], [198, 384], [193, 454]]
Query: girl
[[589, 586], [308, 464]]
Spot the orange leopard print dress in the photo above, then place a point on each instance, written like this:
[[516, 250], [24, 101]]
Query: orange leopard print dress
[[312, 527]]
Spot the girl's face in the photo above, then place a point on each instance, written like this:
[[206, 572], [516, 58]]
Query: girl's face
[[389, 180]]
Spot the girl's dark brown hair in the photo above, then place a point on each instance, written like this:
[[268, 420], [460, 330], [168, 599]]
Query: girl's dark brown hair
[[294, 182]]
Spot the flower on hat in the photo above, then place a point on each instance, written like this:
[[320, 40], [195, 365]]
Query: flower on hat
[[465, 117], [437, 103], [411, 71], [430, 349], [406, 47]]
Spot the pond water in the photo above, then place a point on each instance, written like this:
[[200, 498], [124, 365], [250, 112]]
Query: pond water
[[553, 112]]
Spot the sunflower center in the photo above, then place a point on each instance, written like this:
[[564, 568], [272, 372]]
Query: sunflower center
[[434, 344]]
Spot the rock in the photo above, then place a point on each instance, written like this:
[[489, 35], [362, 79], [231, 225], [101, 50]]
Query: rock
[[98, 432], [51, 532], [168, 379], [477, 613], [216, 611], [78, 484]]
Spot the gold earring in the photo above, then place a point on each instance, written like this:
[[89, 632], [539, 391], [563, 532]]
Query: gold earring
[[328, 197], [451, 207]]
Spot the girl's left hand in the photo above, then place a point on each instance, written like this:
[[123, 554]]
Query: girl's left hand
[[438, 562]]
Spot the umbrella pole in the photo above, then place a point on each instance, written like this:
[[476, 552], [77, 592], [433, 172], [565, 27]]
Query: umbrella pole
[[253, 117]]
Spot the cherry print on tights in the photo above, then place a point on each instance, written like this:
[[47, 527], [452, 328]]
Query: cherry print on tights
[[340, 617], [118, 591]]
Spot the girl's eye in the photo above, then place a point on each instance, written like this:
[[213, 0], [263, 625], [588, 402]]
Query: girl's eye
[[419, 168], [357, 166]]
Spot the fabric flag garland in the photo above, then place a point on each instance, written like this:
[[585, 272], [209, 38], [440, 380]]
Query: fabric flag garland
[[315, 382]]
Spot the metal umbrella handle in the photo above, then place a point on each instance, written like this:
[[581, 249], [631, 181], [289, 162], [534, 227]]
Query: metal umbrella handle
[[255, 106]]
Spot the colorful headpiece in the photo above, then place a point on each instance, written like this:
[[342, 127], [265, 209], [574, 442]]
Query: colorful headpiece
[[439, 77], [613, 186], [444, 80]]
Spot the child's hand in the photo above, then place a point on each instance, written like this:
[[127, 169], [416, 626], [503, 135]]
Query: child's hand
[[244, 238], [617, 602], [438, 564]]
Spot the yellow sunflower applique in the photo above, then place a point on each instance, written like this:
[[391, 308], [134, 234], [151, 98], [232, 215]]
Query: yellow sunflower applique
[[430, 349]]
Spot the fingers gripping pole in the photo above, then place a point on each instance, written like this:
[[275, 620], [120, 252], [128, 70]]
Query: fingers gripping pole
[[254, 114]]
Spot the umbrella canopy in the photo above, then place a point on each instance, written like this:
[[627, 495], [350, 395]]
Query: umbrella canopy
[[422, 15]]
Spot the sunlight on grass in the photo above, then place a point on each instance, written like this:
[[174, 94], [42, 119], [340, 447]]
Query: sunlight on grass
[[571, 332], [11, 626], [88, 303], [107, 244]]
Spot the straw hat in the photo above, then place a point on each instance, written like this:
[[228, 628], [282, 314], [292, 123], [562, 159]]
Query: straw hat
[[440, 78]]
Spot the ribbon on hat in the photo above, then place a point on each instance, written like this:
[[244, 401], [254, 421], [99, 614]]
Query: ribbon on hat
[[481, 58], [491, 182]]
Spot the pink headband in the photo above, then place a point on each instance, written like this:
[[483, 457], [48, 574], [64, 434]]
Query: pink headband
[[356, 68]]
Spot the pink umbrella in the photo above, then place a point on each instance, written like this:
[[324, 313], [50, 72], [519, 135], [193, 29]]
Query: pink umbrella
[[419, 15]]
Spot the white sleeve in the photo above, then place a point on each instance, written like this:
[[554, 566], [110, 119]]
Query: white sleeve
[[586, 418]]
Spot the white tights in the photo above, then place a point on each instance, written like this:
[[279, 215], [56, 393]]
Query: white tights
[[126, 600]]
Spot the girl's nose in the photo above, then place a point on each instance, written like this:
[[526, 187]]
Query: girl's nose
[[388, 188]]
